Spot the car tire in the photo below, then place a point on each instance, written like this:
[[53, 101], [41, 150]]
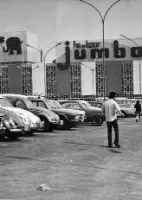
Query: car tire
[[2, 135], [13, 137], [30, 133], [96, 121], [125, 115], [65, 125], [47, 126]]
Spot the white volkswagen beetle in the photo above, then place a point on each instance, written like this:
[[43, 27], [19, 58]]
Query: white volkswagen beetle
[[31, 121]]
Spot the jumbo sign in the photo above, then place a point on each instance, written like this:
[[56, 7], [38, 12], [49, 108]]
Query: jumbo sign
[[118, 52], [113, 50]]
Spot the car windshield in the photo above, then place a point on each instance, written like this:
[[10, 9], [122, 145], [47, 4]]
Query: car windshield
[[5, 103], [125, 105], [58, 105], [53, 104], [86, 104], [28, 103]]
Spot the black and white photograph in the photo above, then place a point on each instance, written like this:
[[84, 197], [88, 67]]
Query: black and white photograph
[[70, 100]]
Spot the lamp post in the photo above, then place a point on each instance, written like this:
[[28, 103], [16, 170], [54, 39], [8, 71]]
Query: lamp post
[[35, 68], [44, 63], [139, 53], [103, 29]]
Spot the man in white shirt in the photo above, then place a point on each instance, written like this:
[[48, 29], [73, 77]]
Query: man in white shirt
[[110, 108]]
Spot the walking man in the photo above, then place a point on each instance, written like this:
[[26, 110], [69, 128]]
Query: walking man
[[110, 110]]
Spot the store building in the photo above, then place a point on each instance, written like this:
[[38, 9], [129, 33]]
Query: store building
[[77, 71], [17, 61], [70, 76]]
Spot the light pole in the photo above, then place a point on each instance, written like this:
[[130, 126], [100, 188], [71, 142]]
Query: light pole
[[35, 68], [44, 63], [103, 29], [93, 78], [139, 53]]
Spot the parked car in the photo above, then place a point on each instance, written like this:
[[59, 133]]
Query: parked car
[[11, 125], [122, 100], [31, 120], [128, 110], [68, 117], [93, 115], [87, 104], [101, 99], [50, 119], [96, 104]]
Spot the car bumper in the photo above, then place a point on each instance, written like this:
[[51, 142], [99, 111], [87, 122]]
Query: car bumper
[[27, 127], [55, 123]]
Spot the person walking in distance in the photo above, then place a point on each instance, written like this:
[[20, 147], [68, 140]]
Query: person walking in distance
[[110, 110], [137, 106]]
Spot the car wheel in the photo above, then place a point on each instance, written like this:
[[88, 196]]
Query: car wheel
[[47, 125], [125, 115], [13, 137], [30, 133], [96, 121], [64, 125], [2, 135]]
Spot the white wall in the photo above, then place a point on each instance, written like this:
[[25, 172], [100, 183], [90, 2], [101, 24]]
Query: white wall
[[38, 79], [88, 80], [136, 76], [32, 54]]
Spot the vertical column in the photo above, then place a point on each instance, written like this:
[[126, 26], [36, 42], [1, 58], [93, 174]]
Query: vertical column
[[15, 78]]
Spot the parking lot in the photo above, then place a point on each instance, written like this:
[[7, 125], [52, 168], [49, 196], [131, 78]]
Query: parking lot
[[75, 164]]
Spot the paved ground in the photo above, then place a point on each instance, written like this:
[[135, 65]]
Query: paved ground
[[75, 164]]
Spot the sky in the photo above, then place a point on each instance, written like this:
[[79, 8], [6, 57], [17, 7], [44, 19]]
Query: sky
[[60, 20]]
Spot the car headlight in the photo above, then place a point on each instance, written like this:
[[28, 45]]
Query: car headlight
[[77, 117], [9, 123], [53, 119]]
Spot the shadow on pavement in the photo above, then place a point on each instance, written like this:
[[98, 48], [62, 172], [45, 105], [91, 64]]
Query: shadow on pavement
[[114, 151]]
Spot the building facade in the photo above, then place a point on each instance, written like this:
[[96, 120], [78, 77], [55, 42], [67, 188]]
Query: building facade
[[77, 72], [123, 69], [16, 62]]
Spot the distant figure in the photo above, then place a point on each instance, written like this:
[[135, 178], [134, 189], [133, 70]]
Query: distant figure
[[110, 110], [137, 106]]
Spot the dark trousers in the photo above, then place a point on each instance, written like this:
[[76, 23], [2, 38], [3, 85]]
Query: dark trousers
[[138, 115], [113, 124]]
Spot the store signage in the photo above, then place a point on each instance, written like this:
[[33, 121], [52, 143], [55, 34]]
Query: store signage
[[92, 50], [12, 44], [86, 45]]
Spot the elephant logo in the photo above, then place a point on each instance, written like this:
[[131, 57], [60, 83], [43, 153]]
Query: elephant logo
[[13, 44]]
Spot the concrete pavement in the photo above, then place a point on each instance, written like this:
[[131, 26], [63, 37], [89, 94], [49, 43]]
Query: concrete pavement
[[75, 164]]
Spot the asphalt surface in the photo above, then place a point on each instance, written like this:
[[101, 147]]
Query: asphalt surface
[[75, 165]]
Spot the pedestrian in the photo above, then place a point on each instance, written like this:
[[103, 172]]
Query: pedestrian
[[110, 110], [137, 106]]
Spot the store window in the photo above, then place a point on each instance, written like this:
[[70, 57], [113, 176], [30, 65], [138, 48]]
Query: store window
[[51, 80], [100, 80], [27, 79], [75, 81], [127, 79], [4, 79]]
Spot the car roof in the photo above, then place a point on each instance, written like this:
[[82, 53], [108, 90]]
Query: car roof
[[34, 99], [2, 97], [68, 100], [21, 96]]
